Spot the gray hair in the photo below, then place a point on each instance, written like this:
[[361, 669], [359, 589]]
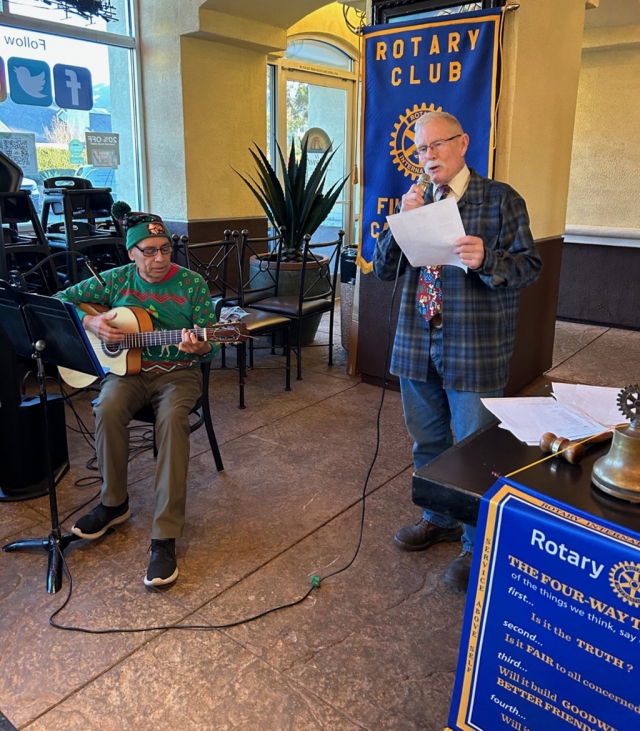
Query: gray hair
[[430, 116]]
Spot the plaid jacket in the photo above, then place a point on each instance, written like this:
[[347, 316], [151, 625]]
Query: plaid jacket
[[479, 308]]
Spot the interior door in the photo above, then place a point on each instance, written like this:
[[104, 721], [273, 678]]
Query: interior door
[[321, 105]]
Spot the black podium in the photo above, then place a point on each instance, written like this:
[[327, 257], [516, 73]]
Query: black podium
[[49, 331]]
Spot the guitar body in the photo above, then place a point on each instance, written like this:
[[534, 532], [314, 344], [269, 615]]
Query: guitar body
[[113, 358], [125, 358]]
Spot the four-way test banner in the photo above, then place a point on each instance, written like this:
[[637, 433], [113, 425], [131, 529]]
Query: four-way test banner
[[552, 622]]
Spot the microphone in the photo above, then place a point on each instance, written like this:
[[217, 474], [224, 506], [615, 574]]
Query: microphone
[[92, 268], [424, 181]]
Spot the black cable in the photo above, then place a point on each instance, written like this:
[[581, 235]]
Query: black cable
[[315, 580]]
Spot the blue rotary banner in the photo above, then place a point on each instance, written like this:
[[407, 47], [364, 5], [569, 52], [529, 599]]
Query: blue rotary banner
[[551, 622], [450, 65]]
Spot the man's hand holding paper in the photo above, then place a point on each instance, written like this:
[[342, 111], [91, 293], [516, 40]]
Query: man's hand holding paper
[[434, 234]]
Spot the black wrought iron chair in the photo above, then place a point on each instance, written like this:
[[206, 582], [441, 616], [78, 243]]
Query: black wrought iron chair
[[22, 241], [218, 262], [201, 410], [316, 294], [87, 226]]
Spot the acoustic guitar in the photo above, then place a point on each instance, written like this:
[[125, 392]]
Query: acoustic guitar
[[124, 358]]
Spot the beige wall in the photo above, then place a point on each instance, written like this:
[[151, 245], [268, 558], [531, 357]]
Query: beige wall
[[203, 68], [605, 169], [221, 120], [542, 53]]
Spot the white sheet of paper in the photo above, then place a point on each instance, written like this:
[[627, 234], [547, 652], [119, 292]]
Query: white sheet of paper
[[426, 235], [528, 418], [598, 402]]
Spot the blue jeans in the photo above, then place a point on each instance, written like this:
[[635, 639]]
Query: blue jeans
[[430, 413]]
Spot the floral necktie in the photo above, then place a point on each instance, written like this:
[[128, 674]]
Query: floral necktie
[[429, 294]]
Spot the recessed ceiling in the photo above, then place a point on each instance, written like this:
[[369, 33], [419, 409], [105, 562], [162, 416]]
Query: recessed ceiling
[[281, 13], [613, 12]]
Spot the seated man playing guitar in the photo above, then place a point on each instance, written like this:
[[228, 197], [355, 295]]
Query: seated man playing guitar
[[169, 379]]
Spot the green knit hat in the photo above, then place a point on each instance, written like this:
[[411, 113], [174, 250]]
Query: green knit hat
[[137, 225]]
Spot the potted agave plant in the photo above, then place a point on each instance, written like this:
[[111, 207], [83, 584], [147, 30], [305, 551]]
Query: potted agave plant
[[296, 205]]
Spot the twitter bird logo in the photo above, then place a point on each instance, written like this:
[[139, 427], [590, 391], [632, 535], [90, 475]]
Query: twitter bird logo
[[30, 82], [31, 85]]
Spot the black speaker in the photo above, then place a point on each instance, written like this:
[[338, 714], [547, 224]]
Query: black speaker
[[23, 459]]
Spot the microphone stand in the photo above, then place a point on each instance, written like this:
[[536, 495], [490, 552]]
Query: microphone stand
[[35, 321], [55, 543], [17, 278]]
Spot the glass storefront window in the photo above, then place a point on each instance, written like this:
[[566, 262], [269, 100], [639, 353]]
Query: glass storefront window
[[67, 108], [115, 17]]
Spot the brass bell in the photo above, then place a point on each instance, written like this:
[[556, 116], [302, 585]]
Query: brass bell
[[618, 472]]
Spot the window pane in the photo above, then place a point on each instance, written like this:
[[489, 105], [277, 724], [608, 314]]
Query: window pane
[[320, 111], [63, 116], [453, 10], [117, 10], [318, 53]]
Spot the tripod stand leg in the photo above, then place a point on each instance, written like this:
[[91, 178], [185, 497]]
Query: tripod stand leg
[[27, 543], [54, 545]]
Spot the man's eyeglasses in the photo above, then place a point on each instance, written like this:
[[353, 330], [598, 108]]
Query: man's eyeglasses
[[150, 251], [434, 146]]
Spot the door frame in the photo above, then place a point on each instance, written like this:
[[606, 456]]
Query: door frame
[[289, 70]]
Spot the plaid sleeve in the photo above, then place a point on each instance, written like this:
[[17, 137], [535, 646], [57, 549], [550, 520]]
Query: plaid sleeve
[[511, 259]]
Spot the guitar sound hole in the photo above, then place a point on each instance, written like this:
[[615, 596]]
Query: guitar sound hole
[[111, 349]]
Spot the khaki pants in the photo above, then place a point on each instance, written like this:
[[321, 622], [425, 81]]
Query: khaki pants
[[172, 396]]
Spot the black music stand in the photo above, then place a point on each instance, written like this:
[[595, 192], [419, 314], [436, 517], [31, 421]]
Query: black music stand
[[48, 330]]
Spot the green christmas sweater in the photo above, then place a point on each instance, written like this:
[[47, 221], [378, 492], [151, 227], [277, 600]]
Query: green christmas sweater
[[181, 300]]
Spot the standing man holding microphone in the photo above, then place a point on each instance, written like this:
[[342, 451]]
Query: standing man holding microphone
[[456, 330]]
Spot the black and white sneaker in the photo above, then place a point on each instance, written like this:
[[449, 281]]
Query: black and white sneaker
[[162, 564], [100, 519]]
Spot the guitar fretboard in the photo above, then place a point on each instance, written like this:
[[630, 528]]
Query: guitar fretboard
[[218, 334]]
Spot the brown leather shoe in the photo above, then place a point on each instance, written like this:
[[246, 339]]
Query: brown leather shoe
[[422, 535], [457, 576]]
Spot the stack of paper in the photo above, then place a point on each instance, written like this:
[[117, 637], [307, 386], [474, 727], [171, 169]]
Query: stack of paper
[[232, 314], [576, 412], [599, 402], [529, 418]]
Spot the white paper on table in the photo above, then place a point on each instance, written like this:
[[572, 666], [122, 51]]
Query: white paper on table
[[597, 402], [426, 234], [232, 314], [528, 418]]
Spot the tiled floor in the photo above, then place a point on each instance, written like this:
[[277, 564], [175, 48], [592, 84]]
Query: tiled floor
[[374, 648]]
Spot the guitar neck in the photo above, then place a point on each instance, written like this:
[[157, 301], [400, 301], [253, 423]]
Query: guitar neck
[[174, 337]]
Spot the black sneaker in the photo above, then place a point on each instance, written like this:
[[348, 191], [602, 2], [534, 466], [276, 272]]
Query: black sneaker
[[100, 519], [162, 564]]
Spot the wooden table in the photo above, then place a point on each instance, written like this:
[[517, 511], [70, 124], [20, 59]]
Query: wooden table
[[454, 483]]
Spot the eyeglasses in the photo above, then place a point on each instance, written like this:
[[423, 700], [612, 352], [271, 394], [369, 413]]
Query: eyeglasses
[[150, 251], [434, 146]]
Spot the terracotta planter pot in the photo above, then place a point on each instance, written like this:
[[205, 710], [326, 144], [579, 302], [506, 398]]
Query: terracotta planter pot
[[289, 284]]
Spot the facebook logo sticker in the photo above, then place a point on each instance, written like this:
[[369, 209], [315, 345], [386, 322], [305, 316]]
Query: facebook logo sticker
[[29, 82], [73, 87]]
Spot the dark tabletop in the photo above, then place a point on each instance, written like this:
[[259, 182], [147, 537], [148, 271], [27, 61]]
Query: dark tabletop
[[454, 482]]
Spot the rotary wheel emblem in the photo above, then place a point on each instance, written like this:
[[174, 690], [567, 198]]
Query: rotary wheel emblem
[[403, 146], [625, 581], [629, 402]]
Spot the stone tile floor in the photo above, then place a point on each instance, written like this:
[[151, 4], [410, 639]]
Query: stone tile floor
[[374, 648]]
